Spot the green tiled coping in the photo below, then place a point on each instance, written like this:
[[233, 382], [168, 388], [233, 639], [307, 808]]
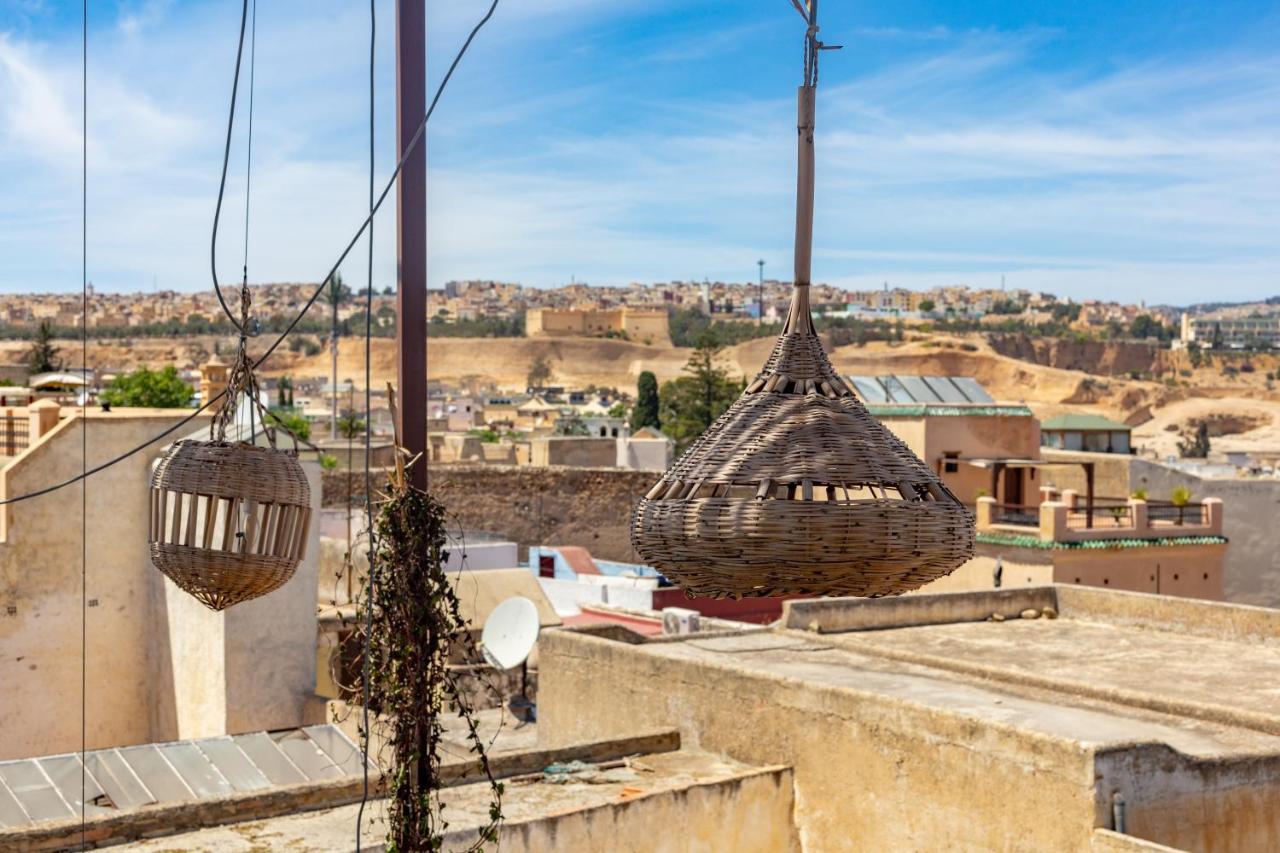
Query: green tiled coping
[[1015, 541], [919, 410]]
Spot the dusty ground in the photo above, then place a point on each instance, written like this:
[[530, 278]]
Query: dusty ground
[[1234, 415], [155, 353]]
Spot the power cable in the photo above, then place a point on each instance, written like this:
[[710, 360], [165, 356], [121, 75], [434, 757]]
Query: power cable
[[311, 301], [371, 544], [84, 402]]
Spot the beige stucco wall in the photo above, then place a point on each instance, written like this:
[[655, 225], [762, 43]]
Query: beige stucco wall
[[130, 650], [1191, 571], [870, 773], [979, 573], [972, 437], [1249, 522], [744, 815]]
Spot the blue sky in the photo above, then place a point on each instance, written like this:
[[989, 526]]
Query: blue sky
[[1126, 151]]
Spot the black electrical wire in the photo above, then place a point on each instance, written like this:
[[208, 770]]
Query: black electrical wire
[[371, 543], [382, 197], [222, 183], [84, 401]]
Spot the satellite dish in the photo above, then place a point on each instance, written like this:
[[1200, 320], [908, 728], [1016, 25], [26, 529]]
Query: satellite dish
[[509, 633]]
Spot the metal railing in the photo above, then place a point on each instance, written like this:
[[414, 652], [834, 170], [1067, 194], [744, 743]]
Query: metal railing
[[14, 435], [1100, 515], [1021, 515], [1168, 512]]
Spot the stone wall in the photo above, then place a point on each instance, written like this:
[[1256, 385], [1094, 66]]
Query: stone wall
[[590, 507]]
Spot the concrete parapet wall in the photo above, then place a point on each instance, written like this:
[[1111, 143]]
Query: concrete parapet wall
[[832, 615], [871, 773], [750, 813]]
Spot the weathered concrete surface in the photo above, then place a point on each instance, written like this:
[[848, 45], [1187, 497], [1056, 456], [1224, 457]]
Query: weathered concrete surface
[[590, 507], [512, 753], [678, 801], [889, 735]]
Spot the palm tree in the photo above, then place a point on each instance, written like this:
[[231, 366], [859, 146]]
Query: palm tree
[[336, 294]]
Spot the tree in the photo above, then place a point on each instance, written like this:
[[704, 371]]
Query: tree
[[691, 403], [571, 425], [43, 355], [539, 372], [1146, 326], [350, 424], [336, 294], [284, 393], [1197, 446], [143, 388], [927, 305], [292, 423], [645, 413]]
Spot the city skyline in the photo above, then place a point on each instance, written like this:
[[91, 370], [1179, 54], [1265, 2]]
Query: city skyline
[[1089, 152]]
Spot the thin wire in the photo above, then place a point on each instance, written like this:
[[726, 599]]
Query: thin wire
[[248, 159], [311, 301], [84, 401], [222, 183], [368, 429]]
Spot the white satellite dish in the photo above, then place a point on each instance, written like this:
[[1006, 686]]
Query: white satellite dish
[[509, 633]]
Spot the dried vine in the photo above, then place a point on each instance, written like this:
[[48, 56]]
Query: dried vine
[[416, 620]]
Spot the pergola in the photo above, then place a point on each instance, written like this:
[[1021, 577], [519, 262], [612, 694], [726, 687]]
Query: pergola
[[998, 466]]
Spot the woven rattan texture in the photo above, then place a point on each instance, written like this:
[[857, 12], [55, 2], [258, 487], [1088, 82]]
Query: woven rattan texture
[[229, 522], [799, 426], [233, 470], [220, 579]]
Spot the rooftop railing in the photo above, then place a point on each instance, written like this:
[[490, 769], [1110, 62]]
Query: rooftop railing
[[1072, 519]]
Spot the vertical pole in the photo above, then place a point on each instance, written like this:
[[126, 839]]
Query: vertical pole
[[411, 233], [760, 303]]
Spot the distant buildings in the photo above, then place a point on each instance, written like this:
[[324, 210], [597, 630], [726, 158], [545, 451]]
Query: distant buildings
[[641, 326], [1218, 331]]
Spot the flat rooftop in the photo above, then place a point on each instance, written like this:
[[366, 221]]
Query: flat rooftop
[[1061, 700]]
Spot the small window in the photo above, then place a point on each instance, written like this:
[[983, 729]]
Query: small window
[[950, 463]]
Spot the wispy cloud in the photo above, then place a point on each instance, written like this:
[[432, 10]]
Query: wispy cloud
[[637, 141]]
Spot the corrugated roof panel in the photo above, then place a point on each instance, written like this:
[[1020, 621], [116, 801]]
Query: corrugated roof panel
[[869, 389], [195, 769], [947, 392], [897, 392], [33, 790], [975, 392], [338, 747], [268, 758], [118, 779], [11, 813], [918, 389], [303, 752], [155, 772], [233, 764], [65, 771]]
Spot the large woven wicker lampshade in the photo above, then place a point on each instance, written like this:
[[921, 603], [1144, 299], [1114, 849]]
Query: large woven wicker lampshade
[[797, 489], [229, 521]]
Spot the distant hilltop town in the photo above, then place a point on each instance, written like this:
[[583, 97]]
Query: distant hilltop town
[[180, 310], [637, 311]]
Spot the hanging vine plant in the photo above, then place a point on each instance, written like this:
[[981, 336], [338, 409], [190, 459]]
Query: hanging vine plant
[[413, 624]]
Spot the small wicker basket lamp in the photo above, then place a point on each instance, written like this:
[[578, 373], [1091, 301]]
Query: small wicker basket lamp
[[797, 489], [229, 520]]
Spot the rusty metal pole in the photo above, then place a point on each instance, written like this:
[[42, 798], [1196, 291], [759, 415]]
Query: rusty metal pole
[[411, 234]]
